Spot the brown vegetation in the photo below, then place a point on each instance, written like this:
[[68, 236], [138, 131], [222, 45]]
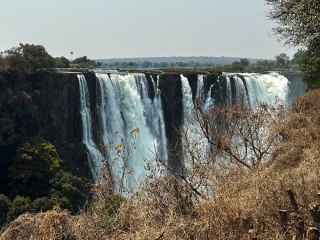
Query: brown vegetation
[[277, 199]]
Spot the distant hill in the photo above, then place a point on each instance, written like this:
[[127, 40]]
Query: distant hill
[[202, 60]]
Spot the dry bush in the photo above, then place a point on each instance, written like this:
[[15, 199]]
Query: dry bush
[[50, 225]]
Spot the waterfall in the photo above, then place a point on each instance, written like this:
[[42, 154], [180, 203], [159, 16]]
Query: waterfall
[[111, 125], [200, 93], [131, 127], [228, 91], [209, 101], [153, 113], [271, 88], [187, 102], [161, 135], [126, 108], [95, 156]]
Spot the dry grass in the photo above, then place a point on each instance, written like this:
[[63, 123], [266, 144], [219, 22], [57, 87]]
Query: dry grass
[[245, 203]]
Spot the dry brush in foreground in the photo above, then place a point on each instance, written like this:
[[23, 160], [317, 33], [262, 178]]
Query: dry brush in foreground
[[275, 200]]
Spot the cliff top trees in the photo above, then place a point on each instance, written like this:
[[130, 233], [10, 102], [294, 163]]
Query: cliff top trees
[[298, 20], [85, 62], [27, 58]]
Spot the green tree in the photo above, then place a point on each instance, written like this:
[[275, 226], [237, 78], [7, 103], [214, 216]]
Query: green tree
[[298, 20], [29, 58], [85, 62], [62, 62], [245, 62], [37, 159], [310, 64], [42, 204], [19, 206], [298, 57], [68, 188], [282, 60], [4, 208]]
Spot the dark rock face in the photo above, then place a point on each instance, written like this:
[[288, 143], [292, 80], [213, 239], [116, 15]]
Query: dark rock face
[[171, 96], [193, 80], [150, 85], [218, 89], [46, 104]]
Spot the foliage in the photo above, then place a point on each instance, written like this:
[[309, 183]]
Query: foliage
[[4, 208], [42, 204], [70, 187], [310, 64], [62, 62], [36, 159], [298, 20], [19, 206], [298, 57], [282, 60], [85, 62], [28, 58]]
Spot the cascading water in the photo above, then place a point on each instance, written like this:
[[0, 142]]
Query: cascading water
[[270, 88], [111, 125], [153, 113], [124, 104], [160, 120], [209, 101], [187, 102], [95, 156], [126, 108], [200, 93]]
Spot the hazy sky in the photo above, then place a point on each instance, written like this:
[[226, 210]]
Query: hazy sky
[[141, 28]]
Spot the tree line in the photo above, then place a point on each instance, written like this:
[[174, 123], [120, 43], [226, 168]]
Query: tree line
[[29, 58]]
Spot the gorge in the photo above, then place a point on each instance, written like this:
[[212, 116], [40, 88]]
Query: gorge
[[118, 121]]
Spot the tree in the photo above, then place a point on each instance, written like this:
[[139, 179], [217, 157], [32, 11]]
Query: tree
[[62, 62], [298, 57], [240, 65], [29, 58], [310, 64], [19, 206], [85, 62], [71, 187], [282, 60], [36, 159], [298, 20], [4, 208]]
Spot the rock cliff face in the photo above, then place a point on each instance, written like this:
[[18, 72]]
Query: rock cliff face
[[45, 104], [171, 96], [48, 104]]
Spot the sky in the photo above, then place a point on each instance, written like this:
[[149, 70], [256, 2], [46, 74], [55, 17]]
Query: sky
[[141, 28]]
